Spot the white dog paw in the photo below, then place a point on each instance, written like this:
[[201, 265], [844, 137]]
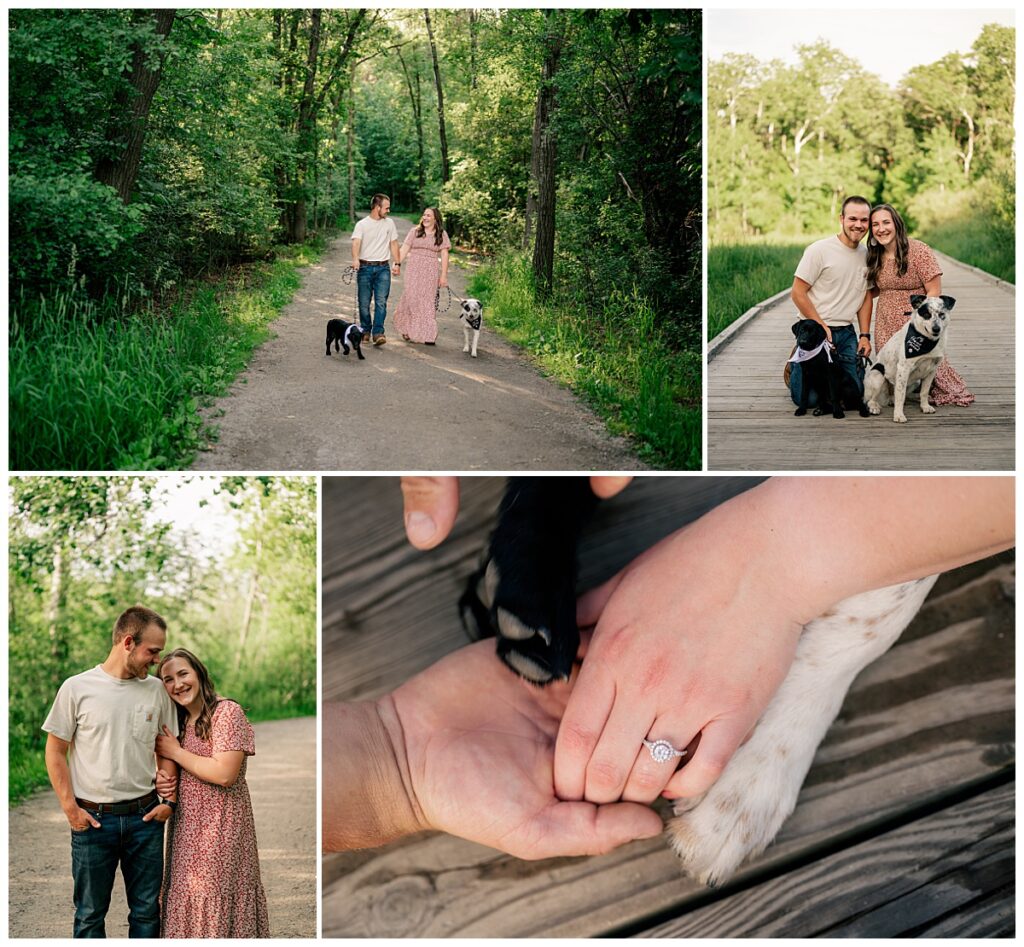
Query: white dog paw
[[737, 818], [900, 418], [874, 407], [466, 349], [928, 409], [474, 354]]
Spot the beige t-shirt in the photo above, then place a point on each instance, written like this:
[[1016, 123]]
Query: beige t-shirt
[[838, 278], [111, 725], [376, 236]]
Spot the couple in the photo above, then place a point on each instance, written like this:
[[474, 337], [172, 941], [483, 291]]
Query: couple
[[374, 243], [116, 738], [838, 279]]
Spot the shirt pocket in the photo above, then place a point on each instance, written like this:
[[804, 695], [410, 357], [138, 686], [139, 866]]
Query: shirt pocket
[[145, 722]]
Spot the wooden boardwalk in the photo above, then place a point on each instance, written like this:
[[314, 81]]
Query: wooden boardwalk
[[750, 415], [905, 825]]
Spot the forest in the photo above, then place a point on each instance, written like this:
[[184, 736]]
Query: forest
[[82, 549], [786, 143], [169, 169]]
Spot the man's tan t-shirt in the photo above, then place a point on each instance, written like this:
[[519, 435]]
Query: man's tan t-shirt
[[111, 725], [376, 236], [838, 278]]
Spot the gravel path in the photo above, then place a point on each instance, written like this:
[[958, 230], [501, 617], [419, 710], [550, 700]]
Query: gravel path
[[282, 783], [406, 407]]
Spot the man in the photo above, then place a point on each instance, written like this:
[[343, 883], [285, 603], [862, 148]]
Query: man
[[831, 287], [374, 243], [105, 722]]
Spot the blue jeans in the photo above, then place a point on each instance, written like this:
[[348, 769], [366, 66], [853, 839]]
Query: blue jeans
[[95, 853], [374, 279], [845, 339]]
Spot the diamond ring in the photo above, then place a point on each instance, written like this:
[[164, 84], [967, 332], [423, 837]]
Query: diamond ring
[[662, 751]]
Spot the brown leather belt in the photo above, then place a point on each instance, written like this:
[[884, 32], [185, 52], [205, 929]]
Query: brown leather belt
[[130, 807], [374, 262]]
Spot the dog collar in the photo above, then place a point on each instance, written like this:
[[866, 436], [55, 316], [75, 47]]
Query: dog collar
[[916, 343], [803, 355], [349, 331]]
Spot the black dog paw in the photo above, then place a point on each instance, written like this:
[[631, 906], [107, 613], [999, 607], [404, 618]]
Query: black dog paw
[[800, 412], [524, 594], [838, 414]]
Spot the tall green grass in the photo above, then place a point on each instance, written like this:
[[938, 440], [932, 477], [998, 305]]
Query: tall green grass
[[111, 386], [616, 359], [741, 275], [966, 227]]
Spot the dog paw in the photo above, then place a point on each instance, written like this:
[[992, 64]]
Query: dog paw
[[466, 349], [800, 412], [737, 818], [839, 414], [473, 354], [927, 408], [899, 418], [874, 407]]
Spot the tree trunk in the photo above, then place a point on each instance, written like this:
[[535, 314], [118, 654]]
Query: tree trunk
[[351, 144], [545, 155], [53, 614], [305, 133], [416, 100], [119, 166], [473, 42], [445, 172]]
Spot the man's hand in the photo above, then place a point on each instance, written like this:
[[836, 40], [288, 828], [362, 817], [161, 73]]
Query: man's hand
[[160, 813], [864, 347], [431, 504], [476, 746], [81, 819]]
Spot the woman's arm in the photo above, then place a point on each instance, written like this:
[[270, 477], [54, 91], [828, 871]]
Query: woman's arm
[[444, 267], [221, 769], [933, 286]]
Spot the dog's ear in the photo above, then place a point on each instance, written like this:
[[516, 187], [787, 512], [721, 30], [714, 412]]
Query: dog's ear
[[948, 301], [916, 300], [796, 328]]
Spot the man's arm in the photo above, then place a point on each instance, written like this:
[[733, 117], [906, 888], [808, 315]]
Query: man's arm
[[357, 244], [396, 254], [60, 778], [864, 320], [799, 295]]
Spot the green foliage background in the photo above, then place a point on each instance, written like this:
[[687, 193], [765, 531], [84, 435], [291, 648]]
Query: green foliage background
[[82, 549], [786, 144]]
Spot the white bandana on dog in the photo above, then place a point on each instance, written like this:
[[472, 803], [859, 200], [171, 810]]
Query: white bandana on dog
[[349, 331], [804, 355]]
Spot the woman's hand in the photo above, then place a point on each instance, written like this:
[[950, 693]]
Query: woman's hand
[[166, 784], [443, 282], [167, 745], [160, 813], [476, 747], [692, 641]]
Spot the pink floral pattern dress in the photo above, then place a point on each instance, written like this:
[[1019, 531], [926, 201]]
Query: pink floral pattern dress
[[415, 316], [893, 311], [212, 884]]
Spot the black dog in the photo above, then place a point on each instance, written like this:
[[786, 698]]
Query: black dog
[[343, 334], [524, 592], [823, 374]]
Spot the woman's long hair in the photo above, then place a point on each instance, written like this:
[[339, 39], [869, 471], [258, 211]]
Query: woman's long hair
[[206, 689], [876, 252], [438, 227]]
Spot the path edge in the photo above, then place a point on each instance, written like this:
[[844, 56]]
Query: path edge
[[729, 333]]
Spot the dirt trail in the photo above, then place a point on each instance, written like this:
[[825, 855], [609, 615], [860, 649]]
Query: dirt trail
[[282, 783], [406, 407]]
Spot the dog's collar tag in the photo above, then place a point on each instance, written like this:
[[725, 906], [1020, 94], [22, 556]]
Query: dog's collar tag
[[916, 343], [804, 355]]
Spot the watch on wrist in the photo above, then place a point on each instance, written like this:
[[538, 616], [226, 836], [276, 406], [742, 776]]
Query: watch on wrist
[[866, 335], [167, 802]]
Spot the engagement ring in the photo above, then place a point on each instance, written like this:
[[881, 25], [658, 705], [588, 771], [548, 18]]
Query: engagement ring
[[662, 751]]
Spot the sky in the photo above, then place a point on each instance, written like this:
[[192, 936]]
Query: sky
[[215, 524], [887, 43]]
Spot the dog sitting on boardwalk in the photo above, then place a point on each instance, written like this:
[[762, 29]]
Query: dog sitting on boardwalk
[[344, 334], [822, 374], [912, 354], [524, 595]]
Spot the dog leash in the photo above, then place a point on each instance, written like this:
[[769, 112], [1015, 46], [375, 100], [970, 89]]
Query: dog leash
[[437, 299], [349, 276]]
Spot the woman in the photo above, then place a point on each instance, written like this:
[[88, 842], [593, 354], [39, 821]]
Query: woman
[[212, 884], [414, 317], [899, 266]]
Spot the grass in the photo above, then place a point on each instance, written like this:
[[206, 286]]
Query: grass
[[616, 360], [973, 239], [740, 275], [110, 385]]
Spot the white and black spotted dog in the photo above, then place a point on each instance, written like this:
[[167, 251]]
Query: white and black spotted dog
[[524, 595], [912, 354], [471, 318]]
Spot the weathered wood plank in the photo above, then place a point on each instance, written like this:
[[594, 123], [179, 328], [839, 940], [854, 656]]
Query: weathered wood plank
[[953, 869], [750, 415], [936, 712]]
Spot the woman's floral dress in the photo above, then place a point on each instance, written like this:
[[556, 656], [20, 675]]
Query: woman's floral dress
[[414, 317]]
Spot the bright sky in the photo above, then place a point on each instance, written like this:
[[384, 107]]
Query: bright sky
[[887, 43], [215, 524]]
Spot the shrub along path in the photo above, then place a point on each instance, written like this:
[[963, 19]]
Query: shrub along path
[[406, 407]]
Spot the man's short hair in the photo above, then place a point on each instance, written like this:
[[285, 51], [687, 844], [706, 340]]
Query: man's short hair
[[855, 199], [378, 199], [132, 622]]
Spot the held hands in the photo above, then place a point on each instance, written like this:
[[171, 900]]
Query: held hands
[[166, 784], [688, 649], [167, 745], [479, 761]]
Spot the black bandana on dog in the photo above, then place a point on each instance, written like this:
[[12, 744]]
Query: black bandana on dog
[[917, 344]]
